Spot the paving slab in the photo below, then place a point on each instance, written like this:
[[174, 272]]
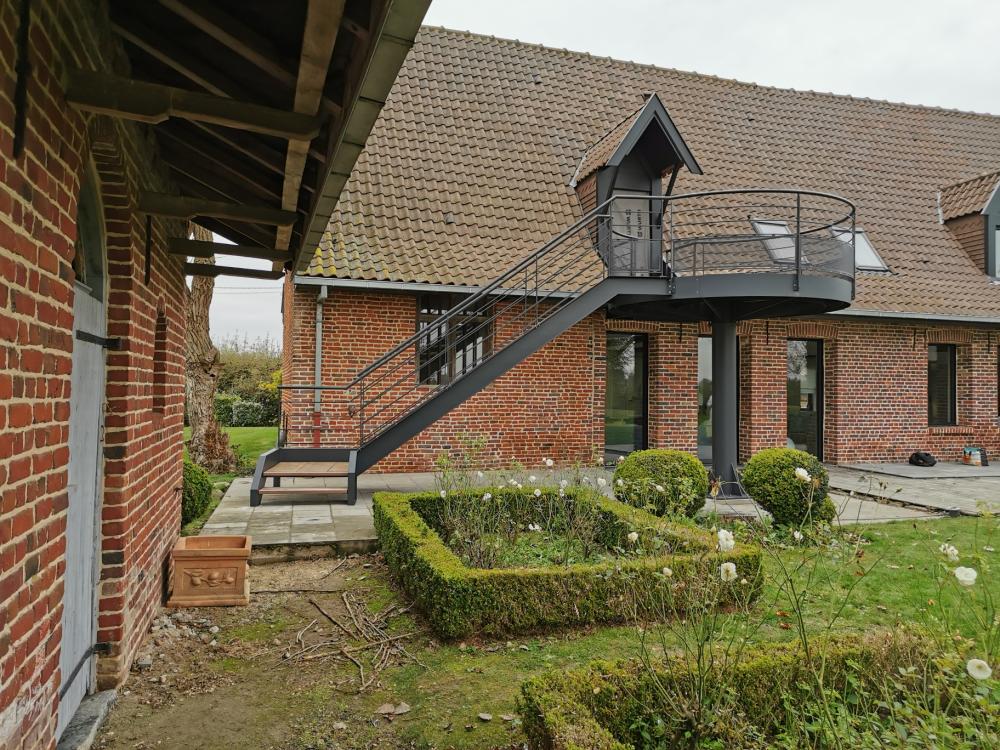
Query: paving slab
[[967, 495], [940, 470]]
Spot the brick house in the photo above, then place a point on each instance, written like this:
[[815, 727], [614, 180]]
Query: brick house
[[119, 122], [487, 149]]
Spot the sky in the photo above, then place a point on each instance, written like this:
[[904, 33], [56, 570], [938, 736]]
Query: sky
[[944, 54]]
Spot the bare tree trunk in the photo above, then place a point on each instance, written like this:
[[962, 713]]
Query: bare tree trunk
[[209, 445]]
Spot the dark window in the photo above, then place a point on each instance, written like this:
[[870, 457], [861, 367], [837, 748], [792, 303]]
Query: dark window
[[452, 349], [941, 388], [626, 395], [805, 395]]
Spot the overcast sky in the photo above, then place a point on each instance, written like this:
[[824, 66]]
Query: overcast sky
[[944, 53]]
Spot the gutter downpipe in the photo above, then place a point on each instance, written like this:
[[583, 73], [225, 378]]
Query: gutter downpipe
[[318, 363]]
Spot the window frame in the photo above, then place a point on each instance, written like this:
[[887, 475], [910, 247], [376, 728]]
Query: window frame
[[952, 350], [838, 234], [446, 374], [769, 237]]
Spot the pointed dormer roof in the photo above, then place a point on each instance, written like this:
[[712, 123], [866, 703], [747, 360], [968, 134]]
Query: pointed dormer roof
[[970, 196], [617, 143]]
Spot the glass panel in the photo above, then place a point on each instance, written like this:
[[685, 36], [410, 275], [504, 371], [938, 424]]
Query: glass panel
[[940, 384], [705, 399], [805, 396], [780, 248], [865, 256], [625, 396]]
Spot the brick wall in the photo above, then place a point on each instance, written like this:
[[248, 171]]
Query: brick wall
[[140, 505], [970, 231], [552, 405]]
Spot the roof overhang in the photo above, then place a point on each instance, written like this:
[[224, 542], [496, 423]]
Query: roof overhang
[[260, 110], [655, 119]]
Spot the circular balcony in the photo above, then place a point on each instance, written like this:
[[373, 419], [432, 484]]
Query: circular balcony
[[728, 255]]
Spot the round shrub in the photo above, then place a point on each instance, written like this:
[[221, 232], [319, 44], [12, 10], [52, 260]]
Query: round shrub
[[683, 478], [771, 480], [197, 492]]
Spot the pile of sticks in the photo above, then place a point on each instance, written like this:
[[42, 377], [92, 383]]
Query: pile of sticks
[[363, 638]]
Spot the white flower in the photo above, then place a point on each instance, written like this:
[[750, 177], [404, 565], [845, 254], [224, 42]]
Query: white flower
[[978, 669], [797, 535], [668, 572], [518, 485], [727, 572], [621, 458], [744, 582], [966, 576], [620, 482], [564, 483], [532, 478], [534, 527], [488, 496], [726, 541], [949, 551], [602, 482], [549, 462], [444, 494], [538, 493], [512, 482], [988, 549], [586, 480], [480, 474], [802, 475], [659, 488], [633, 537]]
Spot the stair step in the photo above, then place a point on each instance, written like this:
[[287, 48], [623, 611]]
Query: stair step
[[308, 469], [303, 490]]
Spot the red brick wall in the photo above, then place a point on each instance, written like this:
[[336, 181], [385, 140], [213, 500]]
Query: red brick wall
[[140, 508], [970, 231], [552, 405]]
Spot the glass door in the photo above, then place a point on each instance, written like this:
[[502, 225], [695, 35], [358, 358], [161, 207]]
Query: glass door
[[805, 396], [625, 412]]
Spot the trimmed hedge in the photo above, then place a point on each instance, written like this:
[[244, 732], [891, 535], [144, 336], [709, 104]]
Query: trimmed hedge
[[683, 477], [196, 493], [459, 600], [769, 478], [604, 705]]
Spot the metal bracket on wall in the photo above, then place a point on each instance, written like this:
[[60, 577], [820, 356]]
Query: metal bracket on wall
[[114, 344], [149, 248], [23, 70]]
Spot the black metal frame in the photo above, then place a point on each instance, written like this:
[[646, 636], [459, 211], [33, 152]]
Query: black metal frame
[[820, 393], [952, 350], [645, 386]]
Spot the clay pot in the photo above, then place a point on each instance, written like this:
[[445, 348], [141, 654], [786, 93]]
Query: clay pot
[[210, 571]]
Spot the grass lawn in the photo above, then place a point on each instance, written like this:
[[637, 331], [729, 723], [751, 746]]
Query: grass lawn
[[302, 705]]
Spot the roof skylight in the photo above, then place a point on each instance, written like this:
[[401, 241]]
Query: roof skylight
[[865, 256]]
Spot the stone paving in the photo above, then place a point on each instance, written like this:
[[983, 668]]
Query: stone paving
[[288, 520], [947, 490]]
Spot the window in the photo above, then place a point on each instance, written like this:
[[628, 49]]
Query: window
[[452, 349], [941, 388], [865, 257], [780, 242]]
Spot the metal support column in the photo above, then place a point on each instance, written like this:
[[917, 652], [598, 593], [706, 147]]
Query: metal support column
[[725, 420]]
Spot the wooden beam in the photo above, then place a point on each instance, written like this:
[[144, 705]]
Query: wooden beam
[[319, 35], [118, 96], [203, 249], [187, 207], [210, 269], [217, 173]]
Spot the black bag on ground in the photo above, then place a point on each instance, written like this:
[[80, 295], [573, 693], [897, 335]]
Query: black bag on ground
[[922, 458]]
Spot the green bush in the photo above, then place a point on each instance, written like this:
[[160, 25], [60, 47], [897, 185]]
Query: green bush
[[459, 600], [683, 478], [770, 479], [618, 706], [247, 414], [224, 408], [197, 491]]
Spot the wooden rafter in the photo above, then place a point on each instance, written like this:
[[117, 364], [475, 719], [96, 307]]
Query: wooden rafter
[[206, 269], [319, 36], [204, 249], [221, 174], [118, 96], [188, 207]]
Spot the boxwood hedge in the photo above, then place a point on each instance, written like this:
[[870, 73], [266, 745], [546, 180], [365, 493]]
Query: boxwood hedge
[[606, 705], [459, 601]]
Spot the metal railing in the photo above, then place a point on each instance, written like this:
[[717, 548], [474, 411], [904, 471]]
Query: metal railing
[[799, 233]]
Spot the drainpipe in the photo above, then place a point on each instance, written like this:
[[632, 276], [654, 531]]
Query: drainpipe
[[318, 362]]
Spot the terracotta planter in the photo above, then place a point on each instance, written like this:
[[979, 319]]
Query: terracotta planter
[[210, 571]]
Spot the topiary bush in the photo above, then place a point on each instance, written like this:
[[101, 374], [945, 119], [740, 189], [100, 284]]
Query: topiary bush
[[247, 414], [224, 408], [683, 478], [197, 492], [770, 479]]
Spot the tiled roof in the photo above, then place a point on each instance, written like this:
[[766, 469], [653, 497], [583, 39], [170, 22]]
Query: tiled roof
[[969, 196], [597, 155], [491, 131]]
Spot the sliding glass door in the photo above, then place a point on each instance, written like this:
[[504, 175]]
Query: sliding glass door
[[805, 395], [625, 413]]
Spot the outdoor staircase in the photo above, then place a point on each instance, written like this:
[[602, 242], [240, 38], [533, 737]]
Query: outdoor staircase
[[599, 258]]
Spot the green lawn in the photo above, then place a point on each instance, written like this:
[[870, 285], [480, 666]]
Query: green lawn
[[250, 443]]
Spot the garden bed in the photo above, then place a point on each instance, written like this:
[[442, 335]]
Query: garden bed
[[632, 703], [502, 561]]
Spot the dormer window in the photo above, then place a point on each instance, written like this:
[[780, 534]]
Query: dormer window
[[865, 256], [778, 240]]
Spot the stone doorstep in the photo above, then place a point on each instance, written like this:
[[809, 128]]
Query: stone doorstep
[[82, 729]]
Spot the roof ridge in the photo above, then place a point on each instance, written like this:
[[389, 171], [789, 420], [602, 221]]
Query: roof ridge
[[696, 74], [990, 173], [604, 137]]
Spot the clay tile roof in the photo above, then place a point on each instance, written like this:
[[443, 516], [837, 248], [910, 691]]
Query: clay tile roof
[[489, 132], [969, 196], [597, 155]]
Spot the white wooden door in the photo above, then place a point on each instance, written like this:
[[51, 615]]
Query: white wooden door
[[86, 433]]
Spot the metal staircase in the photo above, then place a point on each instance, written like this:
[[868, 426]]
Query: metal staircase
[[628, 248]]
